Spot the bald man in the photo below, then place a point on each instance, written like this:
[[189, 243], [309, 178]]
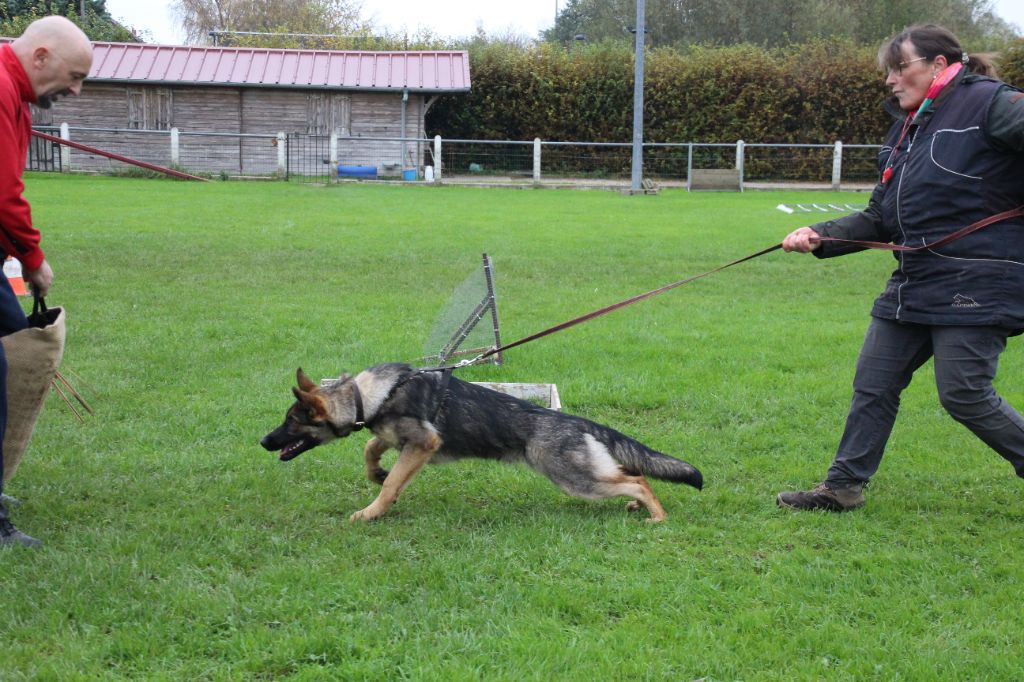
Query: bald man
[[49, 60]]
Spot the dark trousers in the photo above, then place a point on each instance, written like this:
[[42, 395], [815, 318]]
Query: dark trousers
[[966, 359], [12, 319]]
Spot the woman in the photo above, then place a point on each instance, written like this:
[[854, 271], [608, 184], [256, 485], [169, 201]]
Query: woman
[[954, 156]]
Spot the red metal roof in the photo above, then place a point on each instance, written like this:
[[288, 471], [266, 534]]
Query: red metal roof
[[430, 71]]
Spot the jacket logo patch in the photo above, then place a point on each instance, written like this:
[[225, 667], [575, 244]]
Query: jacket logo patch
[[1016, 97], [961, 301]]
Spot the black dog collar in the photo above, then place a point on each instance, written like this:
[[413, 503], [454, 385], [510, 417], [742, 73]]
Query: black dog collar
[[360, 421], [360, 418]]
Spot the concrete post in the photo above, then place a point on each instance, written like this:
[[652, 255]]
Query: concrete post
[[65, 151], [175, 148], [282, 154], [837, 165], [334, 155], [437, 158], [740, 158], [536, 160]]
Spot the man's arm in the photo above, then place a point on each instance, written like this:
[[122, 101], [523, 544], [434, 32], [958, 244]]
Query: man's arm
[[18, 237]]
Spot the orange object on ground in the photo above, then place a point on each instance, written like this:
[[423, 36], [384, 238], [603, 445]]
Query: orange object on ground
[[12, 270]]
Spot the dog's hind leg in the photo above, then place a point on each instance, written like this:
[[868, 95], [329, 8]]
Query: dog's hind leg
[[646, 499], [410, 461], [375, 447], [639, 489], [586, 469]]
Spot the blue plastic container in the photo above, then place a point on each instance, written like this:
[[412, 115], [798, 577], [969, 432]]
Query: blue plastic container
[[357, 171], [409, 174]]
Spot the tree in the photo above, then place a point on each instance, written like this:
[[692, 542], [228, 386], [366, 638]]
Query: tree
[[96, 22], [772, 23], [199, 17]]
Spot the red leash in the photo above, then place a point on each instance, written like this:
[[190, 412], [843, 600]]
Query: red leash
[[615, 306], [963, 232], [117, 157], [952, 237]]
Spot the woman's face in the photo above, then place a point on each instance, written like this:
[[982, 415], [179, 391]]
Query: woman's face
[[912, 77]]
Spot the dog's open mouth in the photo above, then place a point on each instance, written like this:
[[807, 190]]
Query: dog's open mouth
[[296, 448]]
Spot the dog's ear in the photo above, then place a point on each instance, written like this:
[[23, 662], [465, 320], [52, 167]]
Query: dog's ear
[[305, 383], [314, 401]]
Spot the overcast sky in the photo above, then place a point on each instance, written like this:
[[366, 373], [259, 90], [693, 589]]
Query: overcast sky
[[450, 18]]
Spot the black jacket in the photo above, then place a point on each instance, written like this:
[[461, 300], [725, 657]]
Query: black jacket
[[962, 162]]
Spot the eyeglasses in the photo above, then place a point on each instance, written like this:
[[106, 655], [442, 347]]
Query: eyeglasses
[[898, 69]]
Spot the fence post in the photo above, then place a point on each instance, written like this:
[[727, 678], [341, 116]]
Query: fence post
[[837, 165], [740, 158], [65, 150], [437, 158], [689, 166], [536, 160], [334, 155], [282, 154], [175, 149]]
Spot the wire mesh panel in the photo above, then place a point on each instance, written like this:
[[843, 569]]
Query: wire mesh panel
[[389, 157], [482, 160], [151, 146], [804, 163], [860, 162], [595, 161], [228, 154], [669, 162]]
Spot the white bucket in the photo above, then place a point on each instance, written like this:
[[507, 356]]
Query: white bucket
[[428, 173]]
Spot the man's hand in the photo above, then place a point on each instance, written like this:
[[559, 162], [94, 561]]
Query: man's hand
[[41, 279]]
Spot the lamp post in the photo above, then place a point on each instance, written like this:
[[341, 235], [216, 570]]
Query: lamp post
[[638, 100]]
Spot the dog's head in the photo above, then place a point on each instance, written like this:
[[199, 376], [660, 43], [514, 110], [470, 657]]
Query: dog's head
[[307, 423]]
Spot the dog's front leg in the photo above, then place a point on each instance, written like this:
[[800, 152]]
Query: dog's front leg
[[375, 447], [410, 460]]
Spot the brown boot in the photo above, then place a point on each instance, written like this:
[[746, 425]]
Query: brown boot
[[828, 496]]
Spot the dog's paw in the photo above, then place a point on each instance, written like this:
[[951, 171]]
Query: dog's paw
[[634, 506], [367, 514], [379, 475]]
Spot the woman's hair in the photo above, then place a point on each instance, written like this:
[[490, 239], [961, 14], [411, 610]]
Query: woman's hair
[[930, 41]]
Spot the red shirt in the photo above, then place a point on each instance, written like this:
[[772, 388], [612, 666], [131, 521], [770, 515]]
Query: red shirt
[[17, 236]]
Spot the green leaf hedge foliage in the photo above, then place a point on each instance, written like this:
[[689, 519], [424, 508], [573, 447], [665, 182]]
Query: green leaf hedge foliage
[[1011, 64], [819, 92]]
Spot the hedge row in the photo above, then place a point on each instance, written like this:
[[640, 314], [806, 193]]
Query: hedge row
[[819, 92]]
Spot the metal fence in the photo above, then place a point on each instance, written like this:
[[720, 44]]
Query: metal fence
[[43, 155], [326, 159]]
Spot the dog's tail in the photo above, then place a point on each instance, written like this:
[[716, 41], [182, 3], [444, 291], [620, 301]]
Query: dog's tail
[[637, 457]]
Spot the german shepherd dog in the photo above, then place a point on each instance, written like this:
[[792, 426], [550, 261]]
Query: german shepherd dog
[[431, 415]]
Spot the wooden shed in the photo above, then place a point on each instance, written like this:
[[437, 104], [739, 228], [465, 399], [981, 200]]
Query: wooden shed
[[230, 103]]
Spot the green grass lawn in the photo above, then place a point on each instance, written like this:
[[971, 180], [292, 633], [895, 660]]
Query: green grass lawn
[[177, 549]]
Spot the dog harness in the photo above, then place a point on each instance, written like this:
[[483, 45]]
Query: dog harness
[[362, 422]]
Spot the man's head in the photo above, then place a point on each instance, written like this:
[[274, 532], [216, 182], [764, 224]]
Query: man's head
[[57, 57]]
